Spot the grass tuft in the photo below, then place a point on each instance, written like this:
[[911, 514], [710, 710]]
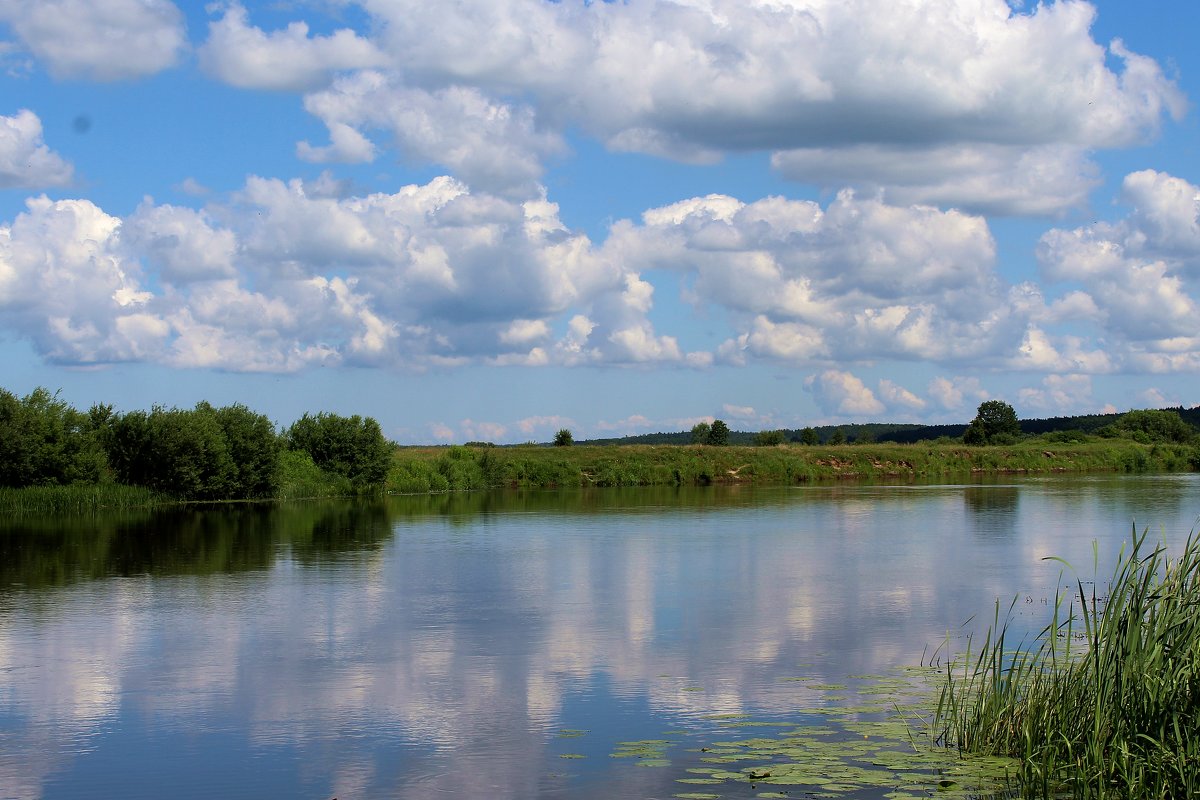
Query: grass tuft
[[1107, 702]]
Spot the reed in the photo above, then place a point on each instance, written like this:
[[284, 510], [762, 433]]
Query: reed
[[74, 499], [1106, 702]]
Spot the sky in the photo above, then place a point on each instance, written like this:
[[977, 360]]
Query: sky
[[491, 219]]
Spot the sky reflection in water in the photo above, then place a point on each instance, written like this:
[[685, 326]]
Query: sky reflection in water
[[439, 646]]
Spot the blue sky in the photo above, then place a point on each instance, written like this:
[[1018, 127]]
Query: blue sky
[[495, 218]]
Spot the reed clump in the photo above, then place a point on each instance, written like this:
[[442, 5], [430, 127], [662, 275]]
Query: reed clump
[[1107, 702], [75, 499]]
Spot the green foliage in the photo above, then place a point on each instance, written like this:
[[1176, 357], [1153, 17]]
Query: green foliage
[[201, 454], [837, 437], [1150, 425], [74, 499], [350, 447], [46, 442], [1116, 714], [718, 434], [564, 438], [995, 423], [809, 437], [769, 438], [700, 433]]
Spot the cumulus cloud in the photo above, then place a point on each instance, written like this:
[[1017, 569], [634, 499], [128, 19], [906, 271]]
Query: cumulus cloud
[[958, 393], [1138, 278], [858, 279], [103, 40], [492, 145], [1058, 394], [65, 282], [25, 161], [899, 399], [971, 103], [287, 60], [288, 275], [841, 393]]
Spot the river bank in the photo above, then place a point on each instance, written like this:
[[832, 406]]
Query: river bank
[[430, 469]]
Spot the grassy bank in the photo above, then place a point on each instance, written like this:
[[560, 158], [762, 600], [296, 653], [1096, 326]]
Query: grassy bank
[[75, 499], [433, 469], [1114, 715]]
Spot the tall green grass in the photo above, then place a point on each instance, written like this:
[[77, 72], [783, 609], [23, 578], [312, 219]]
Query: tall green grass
[[74, 499], [1114, 714]]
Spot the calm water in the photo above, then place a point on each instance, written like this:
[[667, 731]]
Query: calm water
[[438, 647]]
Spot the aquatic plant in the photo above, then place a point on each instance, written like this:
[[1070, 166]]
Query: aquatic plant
[[1106, 703], [75, 499]]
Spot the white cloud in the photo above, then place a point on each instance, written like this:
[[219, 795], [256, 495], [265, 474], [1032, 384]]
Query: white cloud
[[841, 393], [1154, 398], [1058, 394], [739, 412], [958, 393], [493, 145], [25, 161], [182, 243], [999, 106], [102, 40], [1138, 278], [859, 279], [482, 431], [289, 59], [544, 424], [65, 283], [897, 398], [997, 179]]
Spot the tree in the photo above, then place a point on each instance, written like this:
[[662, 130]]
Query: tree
[[1154, 425], [563, 438], [44, 441], [352, 447], [700, 433], [995, 423], [718, 434], [768, 438], [837, 437], [254, 446], [809, 436]]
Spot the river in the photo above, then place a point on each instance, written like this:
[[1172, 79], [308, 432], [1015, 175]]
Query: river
[[502, 645]]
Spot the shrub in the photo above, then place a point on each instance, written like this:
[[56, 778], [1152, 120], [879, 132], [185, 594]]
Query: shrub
[[352, 447]]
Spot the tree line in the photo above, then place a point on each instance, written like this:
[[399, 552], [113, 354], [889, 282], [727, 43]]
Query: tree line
[[202, 453]]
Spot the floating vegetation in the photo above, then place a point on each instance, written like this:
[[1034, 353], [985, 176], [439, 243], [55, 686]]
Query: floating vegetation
[[891, 754], [571, 755], [1115, 715], [571, 733]]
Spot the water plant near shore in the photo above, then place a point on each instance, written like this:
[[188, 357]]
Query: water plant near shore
[[1107, 702]]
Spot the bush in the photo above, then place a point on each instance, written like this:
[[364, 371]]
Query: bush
[[769, 438], [351, 447], [46, 442], [564, 438]]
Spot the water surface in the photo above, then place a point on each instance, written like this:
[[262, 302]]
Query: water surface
[[461, 645]]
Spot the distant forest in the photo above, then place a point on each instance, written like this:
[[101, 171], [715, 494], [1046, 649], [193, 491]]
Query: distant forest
[[900, 432]]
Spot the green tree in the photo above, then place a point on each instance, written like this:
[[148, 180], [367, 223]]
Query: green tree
[[769, 438], [1154, 425], [351, 447], [718, 434], [254, 446], [809, 436], [183, 453], [44, 441], [700, 433], [995, 423], [564, 438], [837, 437]]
